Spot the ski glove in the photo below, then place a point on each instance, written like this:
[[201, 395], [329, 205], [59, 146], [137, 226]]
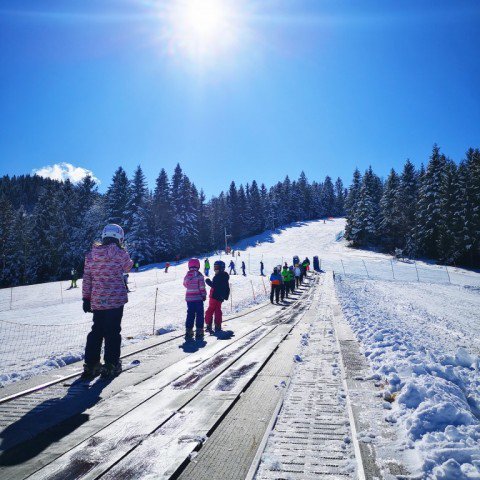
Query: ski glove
[[87, 306]]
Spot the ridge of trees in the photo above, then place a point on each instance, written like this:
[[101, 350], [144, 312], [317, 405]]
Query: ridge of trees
[[433, 212], [47, 227]]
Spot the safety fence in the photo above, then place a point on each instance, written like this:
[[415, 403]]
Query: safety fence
[[32, 347], [407, 271]]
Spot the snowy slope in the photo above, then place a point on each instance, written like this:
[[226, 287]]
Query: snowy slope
[[419, 332]]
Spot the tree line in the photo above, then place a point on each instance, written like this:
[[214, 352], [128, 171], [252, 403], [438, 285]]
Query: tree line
[[433, 212], [46, 226]]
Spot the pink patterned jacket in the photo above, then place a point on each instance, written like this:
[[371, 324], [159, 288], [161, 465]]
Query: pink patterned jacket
[[195, 285], [103, 277]]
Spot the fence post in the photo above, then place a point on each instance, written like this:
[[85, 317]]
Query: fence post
[[343, 266], [446, 269], [253, 291], [415, 263], [264, 287], [393, 272], [155, 311], [365, 268]]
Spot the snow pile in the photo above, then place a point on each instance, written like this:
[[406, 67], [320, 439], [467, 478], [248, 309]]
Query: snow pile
[[427, 361]]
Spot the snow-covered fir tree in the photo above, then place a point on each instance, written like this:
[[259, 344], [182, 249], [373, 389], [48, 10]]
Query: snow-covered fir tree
[[162, 218], [118, 196], [429, 208], [390, 222], [351, 203]]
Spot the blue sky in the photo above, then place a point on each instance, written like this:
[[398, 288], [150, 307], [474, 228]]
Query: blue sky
[[320, 86]]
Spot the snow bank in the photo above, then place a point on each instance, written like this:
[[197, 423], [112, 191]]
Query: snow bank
[[426, 358]]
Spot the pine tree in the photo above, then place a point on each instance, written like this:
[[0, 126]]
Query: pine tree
[[162, 218], [305, 203], [118, 196], [351, 204], [407, 203], [467, 212], [7, 219], [339, 198], [367, 213], [232, 221], [139, 238], [242, 212], [446, 244], [390, 223], [21, 249], [328, 197], [256, 214], [203, 224], [429, 211]]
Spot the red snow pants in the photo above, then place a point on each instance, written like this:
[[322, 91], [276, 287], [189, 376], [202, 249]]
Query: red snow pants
[[214, 307]]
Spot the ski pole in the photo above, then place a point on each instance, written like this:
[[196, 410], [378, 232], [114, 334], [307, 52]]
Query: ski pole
[[253, 291]]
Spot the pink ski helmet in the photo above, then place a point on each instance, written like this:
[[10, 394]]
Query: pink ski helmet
[[194, 263]]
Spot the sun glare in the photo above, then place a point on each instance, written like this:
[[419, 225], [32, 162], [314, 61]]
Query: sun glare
[[202, 28]]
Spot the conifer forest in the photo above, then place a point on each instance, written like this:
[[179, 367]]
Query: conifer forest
[[46, 226]]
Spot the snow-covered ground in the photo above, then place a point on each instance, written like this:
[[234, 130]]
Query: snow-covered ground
[[423, 344], [418, 326]]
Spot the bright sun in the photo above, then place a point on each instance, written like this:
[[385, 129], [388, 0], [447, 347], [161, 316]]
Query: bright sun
[[202, 28]]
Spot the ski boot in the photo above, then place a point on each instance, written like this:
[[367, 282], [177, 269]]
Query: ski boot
[[199, 334], [111, 370], [91, 371], [189, 334], [209, 329], [218, 328]]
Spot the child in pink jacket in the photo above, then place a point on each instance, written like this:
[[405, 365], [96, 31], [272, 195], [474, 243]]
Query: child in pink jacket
[[104, 293], [195, 295]]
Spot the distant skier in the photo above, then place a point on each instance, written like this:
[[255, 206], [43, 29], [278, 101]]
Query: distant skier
[[74, 278], [304, 268], [292, 278], [206, 267], [137, 266], [104, 294], [243, 269], [275, 285], [219, 291], [298, 275], [316, 264], [262, 274], [167, 266], [231, 266], [286, 274], [195, 295]]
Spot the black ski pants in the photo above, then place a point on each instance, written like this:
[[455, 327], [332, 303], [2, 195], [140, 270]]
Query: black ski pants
[[297, 281], [106, 326], [275, 291]]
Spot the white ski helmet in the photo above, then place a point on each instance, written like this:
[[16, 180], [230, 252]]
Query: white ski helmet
[[113, 231]]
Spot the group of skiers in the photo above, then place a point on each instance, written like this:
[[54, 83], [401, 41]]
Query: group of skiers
[[284, 281], [104, 293]]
